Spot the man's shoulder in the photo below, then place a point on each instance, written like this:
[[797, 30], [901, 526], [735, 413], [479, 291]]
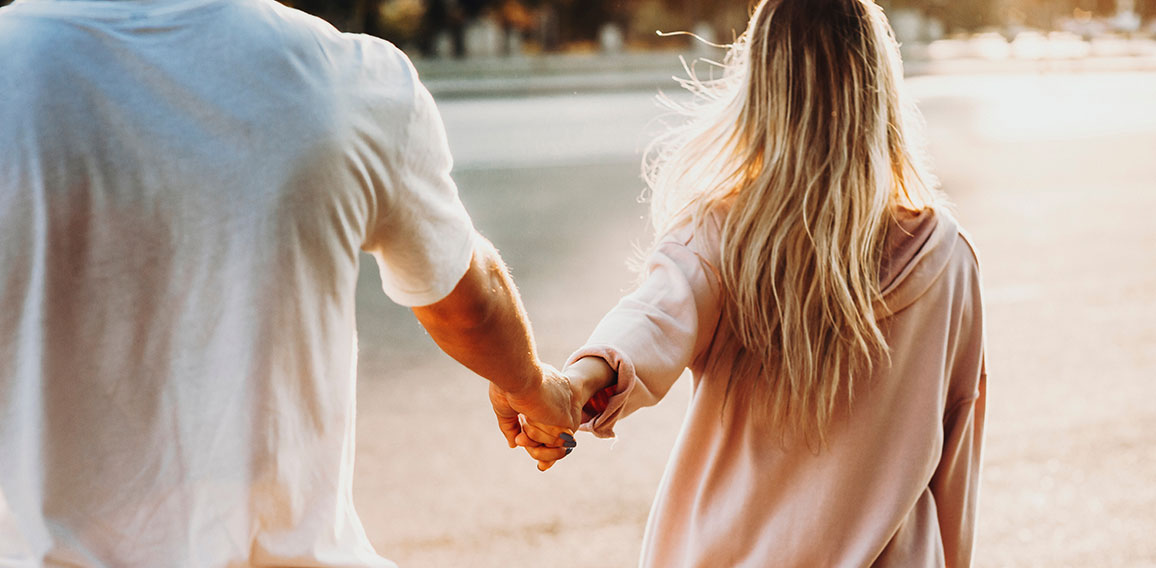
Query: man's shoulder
[[360, 53], [364, 66]]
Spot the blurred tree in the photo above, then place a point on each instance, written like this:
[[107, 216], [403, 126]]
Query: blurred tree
[[956, 15], [650, 16], [1146, 9], [1036, 13], [348, 15], [516, 21], [399, 20], [442, 16], [731, 21], [579, 21], [1098, 7]]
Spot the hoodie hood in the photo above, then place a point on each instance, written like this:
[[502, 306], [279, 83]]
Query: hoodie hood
[[920, 246]]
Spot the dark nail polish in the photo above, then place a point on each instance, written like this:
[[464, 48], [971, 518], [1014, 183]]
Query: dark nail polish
[[568, 450], [570, 444], [566, 437]]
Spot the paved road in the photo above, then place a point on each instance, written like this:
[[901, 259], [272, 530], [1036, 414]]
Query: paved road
[[1055, 176]]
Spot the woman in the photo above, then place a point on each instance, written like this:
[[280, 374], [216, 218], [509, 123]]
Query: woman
[[826, 303]]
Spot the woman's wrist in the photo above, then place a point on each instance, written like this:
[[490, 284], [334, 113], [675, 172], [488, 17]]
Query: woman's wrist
[[591, 375]]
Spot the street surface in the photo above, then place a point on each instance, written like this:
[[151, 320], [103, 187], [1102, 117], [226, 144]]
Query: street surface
[[1054, 175]]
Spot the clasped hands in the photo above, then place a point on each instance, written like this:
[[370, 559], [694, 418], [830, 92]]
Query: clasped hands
[[542, 418]]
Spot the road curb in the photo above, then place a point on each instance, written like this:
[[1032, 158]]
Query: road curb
[[583, 74]]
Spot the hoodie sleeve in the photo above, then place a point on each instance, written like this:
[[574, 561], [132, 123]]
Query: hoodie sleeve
[[956, 481], [654, 333]]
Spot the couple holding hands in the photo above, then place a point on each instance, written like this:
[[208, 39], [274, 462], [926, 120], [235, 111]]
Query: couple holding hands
[[186, 187]]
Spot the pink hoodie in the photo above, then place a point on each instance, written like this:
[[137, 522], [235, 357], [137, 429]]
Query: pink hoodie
[[897, 482]]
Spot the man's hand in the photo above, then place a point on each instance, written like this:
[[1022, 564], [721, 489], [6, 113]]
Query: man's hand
[[591, 382], [541, 418]]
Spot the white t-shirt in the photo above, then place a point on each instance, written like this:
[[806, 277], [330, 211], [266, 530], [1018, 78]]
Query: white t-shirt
[[184, 189]]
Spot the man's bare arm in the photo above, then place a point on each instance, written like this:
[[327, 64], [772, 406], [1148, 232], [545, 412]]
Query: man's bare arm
[[483, 325]]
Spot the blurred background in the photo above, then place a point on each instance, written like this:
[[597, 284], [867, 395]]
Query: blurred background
[[1041, 125], [461, 28]]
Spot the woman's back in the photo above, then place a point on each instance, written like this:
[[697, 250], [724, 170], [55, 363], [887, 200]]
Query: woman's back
[[896, 479]]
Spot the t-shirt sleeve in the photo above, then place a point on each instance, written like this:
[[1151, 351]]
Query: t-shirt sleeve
[[420, 234], [654, 333]]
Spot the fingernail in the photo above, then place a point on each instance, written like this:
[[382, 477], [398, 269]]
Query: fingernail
[[566, 437], [568, 450], [570, 444]]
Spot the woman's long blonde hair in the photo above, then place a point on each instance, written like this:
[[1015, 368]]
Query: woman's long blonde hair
[[805, 141]]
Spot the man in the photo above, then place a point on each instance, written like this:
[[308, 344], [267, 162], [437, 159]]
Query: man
[[184, 188]]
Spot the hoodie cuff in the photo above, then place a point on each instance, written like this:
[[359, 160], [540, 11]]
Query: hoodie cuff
[[602, 424]]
